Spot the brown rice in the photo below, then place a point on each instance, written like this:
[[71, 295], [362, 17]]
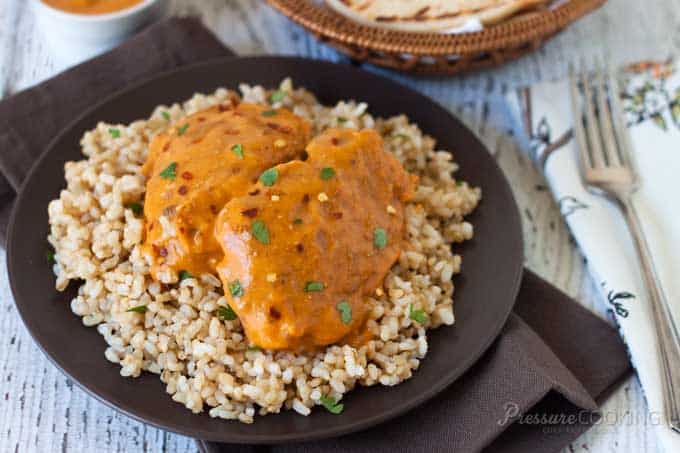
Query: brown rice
[[207, 362]]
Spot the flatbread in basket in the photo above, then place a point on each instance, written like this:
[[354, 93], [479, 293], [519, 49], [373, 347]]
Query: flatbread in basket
[[432, 15]]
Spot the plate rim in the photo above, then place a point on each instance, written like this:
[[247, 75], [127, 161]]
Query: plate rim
[[377, 419]]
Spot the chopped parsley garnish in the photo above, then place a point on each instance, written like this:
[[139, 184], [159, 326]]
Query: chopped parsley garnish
[[170, 171], [183, 275], [269, 113], [226, 313], [380, 238], [402, 136], [254, 348], [115, 133], [260, 231], [235, 288], [327, 173], [166, 115], [136, 208], [277, 96], [138, 309], [269, 177], [459, 183], [342, 119], [238, 150], [418, 315], [345, 310], [51, 258], [297, 221], [332, 405], [182, 129], [314, 286]]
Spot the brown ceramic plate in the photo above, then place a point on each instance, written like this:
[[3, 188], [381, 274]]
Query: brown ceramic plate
[[486, 290]]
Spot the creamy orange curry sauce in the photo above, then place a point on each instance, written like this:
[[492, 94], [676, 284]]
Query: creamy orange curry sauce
[[300, 232], [91, 6]]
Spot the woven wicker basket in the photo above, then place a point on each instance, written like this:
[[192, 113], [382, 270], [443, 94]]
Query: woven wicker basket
[[434, 53]]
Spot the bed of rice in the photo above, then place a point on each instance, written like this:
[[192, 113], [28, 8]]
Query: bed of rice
[[207, 363]]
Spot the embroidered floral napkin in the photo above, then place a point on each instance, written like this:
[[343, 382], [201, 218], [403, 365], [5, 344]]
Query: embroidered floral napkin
[[651, 100]]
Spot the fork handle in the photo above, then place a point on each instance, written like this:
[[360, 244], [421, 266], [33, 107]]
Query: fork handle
[[666, 330]]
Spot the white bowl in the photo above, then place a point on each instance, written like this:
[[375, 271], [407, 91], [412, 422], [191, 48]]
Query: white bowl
[[77, 37]]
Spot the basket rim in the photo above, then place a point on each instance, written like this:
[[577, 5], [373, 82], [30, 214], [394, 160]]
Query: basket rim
[[533, 26]]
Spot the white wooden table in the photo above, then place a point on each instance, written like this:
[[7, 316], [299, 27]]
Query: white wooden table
[[41, 411]]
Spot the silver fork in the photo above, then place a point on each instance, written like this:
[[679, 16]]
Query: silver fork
[[607, 168]]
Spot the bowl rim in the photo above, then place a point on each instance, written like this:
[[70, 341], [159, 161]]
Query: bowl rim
[[95, 18]]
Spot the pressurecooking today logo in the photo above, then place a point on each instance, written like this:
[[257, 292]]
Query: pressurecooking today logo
[[563, 421]]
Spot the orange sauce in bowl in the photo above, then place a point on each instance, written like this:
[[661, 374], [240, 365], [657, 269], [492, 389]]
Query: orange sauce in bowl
[[91, 6]]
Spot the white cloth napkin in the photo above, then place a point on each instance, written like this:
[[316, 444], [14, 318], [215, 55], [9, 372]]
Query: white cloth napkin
[[651, 98]]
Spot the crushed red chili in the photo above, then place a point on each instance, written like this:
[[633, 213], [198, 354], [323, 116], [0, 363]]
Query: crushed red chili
[[251, 213], [182, 190]]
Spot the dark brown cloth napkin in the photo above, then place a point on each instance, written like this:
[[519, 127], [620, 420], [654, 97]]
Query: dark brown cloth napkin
[[552, 358]]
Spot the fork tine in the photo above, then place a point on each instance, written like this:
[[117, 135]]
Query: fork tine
[[579, 130], [592, 125], [620, 129], [609, 142]]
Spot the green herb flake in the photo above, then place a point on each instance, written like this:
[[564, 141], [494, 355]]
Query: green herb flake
[[238, 150], [277, 96], [235, 288], [269, 177], [297, 221], [138, 309], [115, 133], [260, 231], [182, 129], [460, 183], [314, 287], [269, 113], [170, 172], [402, 136], [345, 310], [166, 115], [51, 257], [226, 313], [332, 405], [418, 315], [136, 208], [183, 275], [380, 238], [327, 173], [342, 119]]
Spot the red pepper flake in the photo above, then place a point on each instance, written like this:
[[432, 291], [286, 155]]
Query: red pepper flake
[[166, 146], [182, 190], [280, 128], [335, 141], [188, 176], [305, 198], [223, 107], [337, 215], [213, 209], [163, 252], [200, 119], [299, 247], [274, 313], [231, 132], [251, 213], [254, 192]]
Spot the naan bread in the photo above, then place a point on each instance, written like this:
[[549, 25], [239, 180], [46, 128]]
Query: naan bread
[[430, 15]]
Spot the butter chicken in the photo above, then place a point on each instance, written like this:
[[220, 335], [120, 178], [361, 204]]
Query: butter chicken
[[301, 233]]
